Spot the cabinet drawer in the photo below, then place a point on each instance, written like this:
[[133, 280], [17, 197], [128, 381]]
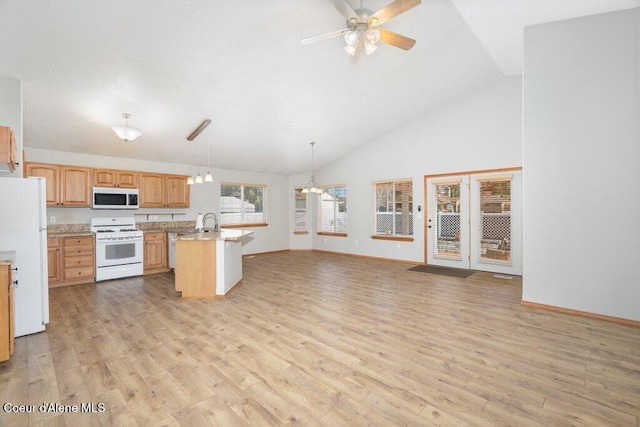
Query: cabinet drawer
[[83, 240], [78, 250], [77, 273], [53, 242], [154, 236], [78, 261]]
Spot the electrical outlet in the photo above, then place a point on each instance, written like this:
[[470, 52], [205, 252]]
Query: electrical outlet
[[52, 219]]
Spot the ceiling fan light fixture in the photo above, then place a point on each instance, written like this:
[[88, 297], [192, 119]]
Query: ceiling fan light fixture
[[369, 47], [373, 35], [351, 49], [351, 38], [126, 133]]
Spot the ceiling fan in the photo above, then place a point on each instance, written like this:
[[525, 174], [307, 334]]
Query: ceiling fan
[[364, 25]]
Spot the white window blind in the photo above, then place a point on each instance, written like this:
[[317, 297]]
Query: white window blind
[[300, 211]]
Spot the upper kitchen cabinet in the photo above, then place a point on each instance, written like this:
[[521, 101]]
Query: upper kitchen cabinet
[[177, 191], [52, 175], [7, 149], [115, 178], [161, 190], [67, 186]]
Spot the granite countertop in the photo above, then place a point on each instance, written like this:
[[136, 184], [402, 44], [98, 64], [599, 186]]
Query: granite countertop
[[177, 230], [7, 257], [69, 233], [230, 234]]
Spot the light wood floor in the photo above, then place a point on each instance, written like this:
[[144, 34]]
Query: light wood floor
[[320, 339]]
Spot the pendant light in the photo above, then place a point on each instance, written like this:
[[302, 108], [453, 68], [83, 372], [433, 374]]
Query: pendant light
[[312, 186], [208, 177], [126, 133]]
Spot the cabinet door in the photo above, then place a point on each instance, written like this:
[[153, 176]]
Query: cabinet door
[[177, 191], [75, 188], [51, 173], [8, 147], [152, 190], [54, 257], [127, 179], [104, 178], [155, 251], [6, 313]]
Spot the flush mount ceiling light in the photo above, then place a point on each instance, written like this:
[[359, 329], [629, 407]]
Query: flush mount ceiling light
[[312, 186], [364, 26], [126, 133]]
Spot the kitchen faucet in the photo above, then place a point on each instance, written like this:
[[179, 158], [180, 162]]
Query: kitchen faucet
[[216, 226]]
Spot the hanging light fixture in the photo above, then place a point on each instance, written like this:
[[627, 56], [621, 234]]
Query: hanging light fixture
[[312, 186], [126, 133], [208, 177]]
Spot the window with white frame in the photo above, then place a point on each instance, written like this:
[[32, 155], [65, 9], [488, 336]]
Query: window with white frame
[[333, 210], [394, 208], [243, 204], [300, 212]]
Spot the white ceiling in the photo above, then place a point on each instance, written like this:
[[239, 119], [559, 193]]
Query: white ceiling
[[172, 64]]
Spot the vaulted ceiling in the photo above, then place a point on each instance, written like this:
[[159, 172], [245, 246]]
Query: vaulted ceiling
[[171, 64]]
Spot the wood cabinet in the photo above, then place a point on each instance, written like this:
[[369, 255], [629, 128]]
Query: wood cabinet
[[155, 252], [54, 257], [161, 190], [67, 186], [7, 317], [79, 259], [51, 173], [115, 178], [8, 148]]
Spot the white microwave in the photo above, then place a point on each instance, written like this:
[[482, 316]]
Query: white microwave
[[115, 198]]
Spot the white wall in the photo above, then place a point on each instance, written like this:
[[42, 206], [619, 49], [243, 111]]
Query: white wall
[[481, 131], [204, 197], [582, 164], [11, 115]]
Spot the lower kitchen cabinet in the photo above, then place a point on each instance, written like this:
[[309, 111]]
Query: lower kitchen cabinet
[[7, 318], [155, 252], [71, 260], [54, 257]]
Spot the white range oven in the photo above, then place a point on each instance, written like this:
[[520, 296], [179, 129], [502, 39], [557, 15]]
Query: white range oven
[[119, 248]]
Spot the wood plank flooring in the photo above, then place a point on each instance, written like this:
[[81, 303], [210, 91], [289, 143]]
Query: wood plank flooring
[[321, 339]]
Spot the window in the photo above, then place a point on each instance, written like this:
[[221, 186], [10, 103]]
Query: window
[[300, 212], [333, 210], [394, 208], [243, 204]]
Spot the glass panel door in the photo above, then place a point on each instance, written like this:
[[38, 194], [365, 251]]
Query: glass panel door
[[496, 222], [448, 221]]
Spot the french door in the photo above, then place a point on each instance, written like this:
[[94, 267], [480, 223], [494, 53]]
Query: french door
[[474, 221], [448, 221]]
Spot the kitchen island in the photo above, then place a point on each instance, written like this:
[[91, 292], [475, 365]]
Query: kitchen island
[[209, 263]]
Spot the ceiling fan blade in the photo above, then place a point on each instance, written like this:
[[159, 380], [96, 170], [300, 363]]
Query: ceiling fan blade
[[344, 8], [392, 10], [395, 39], [324, 36]]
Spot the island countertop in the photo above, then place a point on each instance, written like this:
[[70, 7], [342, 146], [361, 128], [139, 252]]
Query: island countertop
[[226, 234]]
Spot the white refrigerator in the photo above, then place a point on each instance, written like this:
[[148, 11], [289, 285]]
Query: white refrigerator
[[23, 229]]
